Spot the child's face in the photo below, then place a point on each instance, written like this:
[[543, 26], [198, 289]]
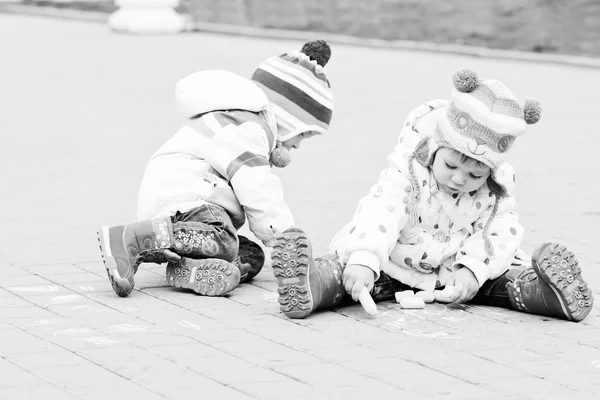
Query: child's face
[[456, 173], [294, 143]]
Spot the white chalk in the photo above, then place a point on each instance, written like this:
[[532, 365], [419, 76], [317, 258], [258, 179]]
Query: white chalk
[[426, 296], [367, 302], [405, 293], [412, 302]]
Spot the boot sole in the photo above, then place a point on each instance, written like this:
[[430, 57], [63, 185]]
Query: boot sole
[[121, 286], [559, 268], [290, 260], [210, 277]]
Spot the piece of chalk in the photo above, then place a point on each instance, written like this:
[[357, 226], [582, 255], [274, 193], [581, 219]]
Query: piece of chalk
[[367, 302], [426, 296], [405, 293], [412, 302]]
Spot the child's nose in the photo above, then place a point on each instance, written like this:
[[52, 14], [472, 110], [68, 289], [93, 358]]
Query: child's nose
[[459, 179]]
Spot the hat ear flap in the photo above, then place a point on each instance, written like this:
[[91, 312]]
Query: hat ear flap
[[422, 152], [502, 180], [495, 187]]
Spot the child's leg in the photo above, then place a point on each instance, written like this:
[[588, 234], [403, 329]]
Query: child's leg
[[307, 284], [251, 257], [210, 265], [205, 232], [552, 286]]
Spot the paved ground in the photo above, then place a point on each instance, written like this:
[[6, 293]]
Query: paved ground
[[83, 109]]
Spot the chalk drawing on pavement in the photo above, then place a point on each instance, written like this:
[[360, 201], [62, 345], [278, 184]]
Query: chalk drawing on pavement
[[128, 328], [271, 297], [41, 322], [39, 288], [454, 319], [408, 321], [87, 307], [67, 298], [190, 325], [433, 335], [98, 340], [86, 289], [487, 310], [72, 331]]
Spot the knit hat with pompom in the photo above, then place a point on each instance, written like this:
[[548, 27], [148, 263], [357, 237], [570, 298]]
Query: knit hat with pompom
[[296, 85], [483, 119]]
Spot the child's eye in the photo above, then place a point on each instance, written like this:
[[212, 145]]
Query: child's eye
[[450, 166], [475, 176]]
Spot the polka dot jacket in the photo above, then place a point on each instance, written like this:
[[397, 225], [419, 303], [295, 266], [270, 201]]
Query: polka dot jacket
[[448, 229]]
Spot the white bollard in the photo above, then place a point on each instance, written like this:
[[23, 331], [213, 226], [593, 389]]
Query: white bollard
[[147, 16]]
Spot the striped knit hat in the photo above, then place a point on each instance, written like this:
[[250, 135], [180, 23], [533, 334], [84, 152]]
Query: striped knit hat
[[296, 85]]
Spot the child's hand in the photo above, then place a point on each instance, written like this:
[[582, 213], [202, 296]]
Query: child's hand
[[356, 277], [468, 283]]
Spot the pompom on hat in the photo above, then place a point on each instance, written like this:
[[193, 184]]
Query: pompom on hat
[[482, 121], [296, 85]]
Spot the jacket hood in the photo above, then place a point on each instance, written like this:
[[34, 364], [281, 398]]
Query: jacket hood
[[214, 90]]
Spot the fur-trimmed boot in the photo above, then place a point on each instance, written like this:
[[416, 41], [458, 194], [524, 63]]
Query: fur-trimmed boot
[[207, 277], [305, 284], [553, 286], [125, 247]]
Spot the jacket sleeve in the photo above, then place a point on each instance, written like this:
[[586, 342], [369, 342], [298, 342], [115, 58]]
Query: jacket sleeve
[[506, 236], [379, 217], [241, 154]]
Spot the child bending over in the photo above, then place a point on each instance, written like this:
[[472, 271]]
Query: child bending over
[[215, 172]]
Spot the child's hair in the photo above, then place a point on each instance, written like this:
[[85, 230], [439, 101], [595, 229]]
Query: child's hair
[[465, 159], [416, 196]]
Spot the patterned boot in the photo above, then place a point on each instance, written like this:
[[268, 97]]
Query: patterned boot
[[552, 287], [125, 247], [305, 284], [207, 277]]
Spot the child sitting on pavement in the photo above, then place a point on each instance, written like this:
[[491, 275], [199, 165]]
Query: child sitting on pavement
[[440, 216], [202, 184]]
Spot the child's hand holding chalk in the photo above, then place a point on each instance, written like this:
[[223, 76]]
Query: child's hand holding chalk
[[367, 302]]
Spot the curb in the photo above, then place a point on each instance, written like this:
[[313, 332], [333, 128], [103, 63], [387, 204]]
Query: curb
[[284, 34]]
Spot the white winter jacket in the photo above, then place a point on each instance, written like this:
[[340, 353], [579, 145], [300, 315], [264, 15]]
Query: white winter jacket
[[451, 225], [220, 157]]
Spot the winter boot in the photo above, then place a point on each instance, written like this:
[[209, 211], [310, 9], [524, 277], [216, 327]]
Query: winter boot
[[251, 259], [125, 247], [207, 277], [305, 284], [552, 287]]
